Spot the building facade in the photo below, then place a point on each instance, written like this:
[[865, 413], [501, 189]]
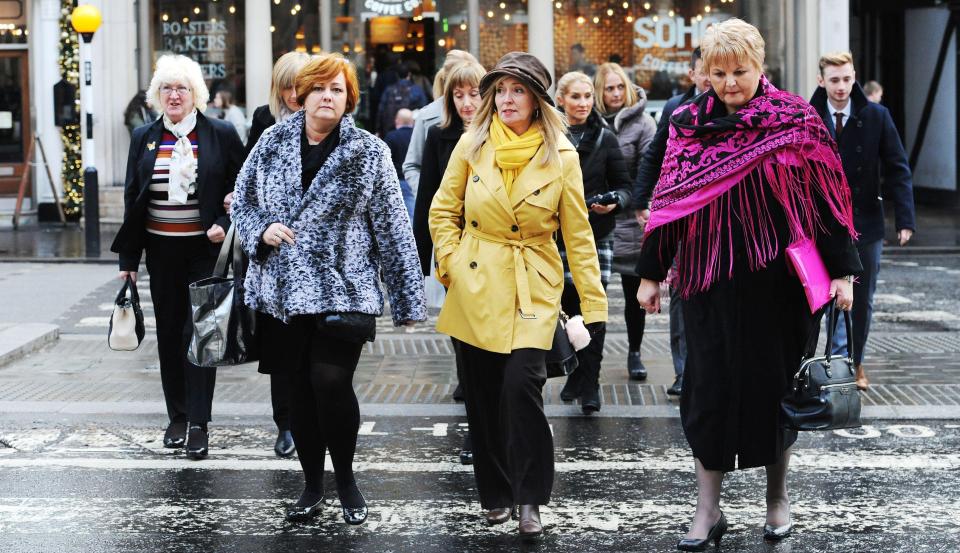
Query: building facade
[[236, 41]]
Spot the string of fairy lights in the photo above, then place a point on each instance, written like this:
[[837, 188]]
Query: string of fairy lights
[[72, 167]]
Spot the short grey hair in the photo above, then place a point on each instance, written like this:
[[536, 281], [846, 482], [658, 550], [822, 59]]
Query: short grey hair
[[176, 68]]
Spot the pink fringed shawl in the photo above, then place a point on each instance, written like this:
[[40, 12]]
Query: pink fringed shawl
[[777, 138]]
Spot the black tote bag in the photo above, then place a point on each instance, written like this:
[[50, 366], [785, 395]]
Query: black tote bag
[[223, 326], [823, 394]]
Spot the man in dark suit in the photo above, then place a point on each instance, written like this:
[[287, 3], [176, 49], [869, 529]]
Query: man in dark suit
[[866, 138], [647, 177]]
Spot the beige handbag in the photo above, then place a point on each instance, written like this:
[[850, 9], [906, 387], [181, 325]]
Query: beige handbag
[[126, 324]]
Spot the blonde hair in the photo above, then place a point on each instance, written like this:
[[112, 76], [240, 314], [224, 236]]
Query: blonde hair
[[551, 123], [453, 59], [600, 81], [176, 68], [836, 59], [732, 39], [466, 74], [568, 79], [284, 76]]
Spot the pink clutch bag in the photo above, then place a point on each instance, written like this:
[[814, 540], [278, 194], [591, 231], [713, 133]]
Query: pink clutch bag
[[806, 262]]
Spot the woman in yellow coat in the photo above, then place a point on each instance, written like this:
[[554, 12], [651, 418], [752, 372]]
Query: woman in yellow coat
[[513, 181]]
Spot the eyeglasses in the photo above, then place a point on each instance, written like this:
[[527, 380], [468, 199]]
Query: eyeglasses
[[168, 90]]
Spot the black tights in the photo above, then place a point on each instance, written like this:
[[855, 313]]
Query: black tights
[[325, 415]]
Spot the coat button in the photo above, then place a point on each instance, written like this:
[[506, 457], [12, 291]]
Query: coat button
[[536, 192], [859, 169], [476, 178], [473, 224], [514, 228], [473, 264], [859, 123], [859, 149], [856, 189]]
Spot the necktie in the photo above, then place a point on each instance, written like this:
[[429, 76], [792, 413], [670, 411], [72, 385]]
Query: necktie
[[839, 116]]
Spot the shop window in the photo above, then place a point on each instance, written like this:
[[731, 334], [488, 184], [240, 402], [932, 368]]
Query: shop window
[[503, 29], [653, 40], [13, 22], [211, 33], [295, 26]]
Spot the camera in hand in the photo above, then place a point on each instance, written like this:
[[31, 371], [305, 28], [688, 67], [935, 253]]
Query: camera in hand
[[607, 198]]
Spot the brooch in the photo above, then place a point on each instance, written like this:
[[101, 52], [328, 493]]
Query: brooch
[[151, 146]]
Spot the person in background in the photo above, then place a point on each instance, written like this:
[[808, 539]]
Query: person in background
[[399, 140], [647, 175], [461, 98], [867, 139], [138, 112], [321, 273], [512, 182], [749, 169], [429, 116], [282, 105], [178, 171], [622, 105], [606, 187], [421, 80], [579, 62], [223, 101], [402, 94], [873, 91]]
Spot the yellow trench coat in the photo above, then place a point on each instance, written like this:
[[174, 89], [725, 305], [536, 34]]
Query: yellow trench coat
[[497, 254]]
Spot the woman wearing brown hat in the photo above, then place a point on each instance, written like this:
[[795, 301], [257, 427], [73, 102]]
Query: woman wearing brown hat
[[512, 182]]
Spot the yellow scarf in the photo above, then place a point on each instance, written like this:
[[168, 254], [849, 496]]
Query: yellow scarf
[[513, 152]]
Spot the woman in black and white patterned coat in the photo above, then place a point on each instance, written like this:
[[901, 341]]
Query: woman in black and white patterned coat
[[319, 211]]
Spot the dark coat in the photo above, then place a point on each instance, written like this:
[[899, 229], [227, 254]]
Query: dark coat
[[220, 154], [261, 121], [649, 172], [604, 168], [436, 155], [398, 140], [868, 139]]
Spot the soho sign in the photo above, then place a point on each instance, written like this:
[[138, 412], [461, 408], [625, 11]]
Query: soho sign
[[391, 7], [667, 32]]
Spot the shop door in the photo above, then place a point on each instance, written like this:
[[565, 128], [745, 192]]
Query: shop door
[[14, 120]]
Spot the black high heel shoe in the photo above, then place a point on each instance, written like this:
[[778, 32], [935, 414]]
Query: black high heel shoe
[[355, 515], [778, 533], [714, 535]]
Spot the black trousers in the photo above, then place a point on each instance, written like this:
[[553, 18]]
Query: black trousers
[[324, 410], [512, 443], [633, 314], [173, 263]]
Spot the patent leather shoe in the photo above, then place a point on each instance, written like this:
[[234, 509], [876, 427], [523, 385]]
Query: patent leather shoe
[[530, 528], [303, 514], [175, 435], [635, 367], [675, 389], [197, 443], [777, 533], [498, 515], [716, 532], [355, 515], [284, 446]]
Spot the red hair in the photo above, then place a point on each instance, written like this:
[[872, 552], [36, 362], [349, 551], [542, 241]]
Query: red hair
[[323, 69]]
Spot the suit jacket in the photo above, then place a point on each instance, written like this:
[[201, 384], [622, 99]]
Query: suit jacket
[[869, 140], [220, 153], [436, 155], [495, 251]]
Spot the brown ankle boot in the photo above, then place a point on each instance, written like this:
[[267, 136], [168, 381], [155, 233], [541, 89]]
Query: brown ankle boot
[[498, 515], [530, 527], [862, 382]]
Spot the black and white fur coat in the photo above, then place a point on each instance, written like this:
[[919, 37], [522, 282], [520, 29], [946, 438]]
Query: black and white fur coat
[[349, 223]]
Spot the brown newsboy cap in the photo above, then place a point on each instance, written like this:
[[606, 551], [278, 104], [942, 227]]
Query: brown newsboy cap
[[524, 67]]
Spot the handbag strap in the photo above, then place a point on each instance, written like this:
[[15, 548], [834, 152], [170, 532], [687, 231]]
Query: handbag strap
[[831, 329], [221, 268], [128, 284]]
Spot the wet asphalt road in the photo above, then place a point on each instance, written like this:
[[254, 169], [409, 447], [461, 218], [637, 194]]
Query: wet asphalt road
[[622, 484]]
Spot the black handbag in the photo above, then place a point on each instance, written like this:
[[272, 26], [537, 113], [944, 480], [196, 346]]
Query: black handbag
[[126, 323], [562, 358], [223, 326], [348, 326], [824, 393]]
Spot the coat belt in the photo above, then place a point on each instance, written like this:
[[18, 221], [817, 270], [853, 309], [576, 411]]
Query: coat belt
[[520, 262]]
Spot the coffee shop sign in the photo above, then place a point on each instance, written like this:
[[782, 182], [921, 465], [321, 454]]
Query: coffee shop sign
[[672, 35], [391, 7]]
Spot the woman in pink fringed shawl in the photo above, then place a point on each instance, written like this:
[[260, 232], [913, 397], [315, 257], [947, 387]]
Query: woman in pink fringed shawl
[[749, 170]]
